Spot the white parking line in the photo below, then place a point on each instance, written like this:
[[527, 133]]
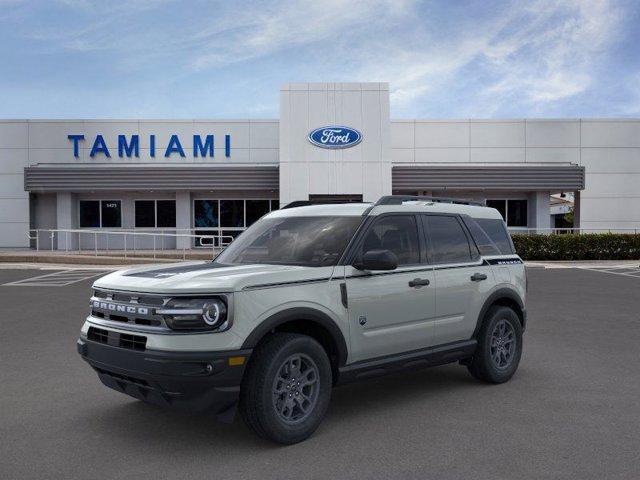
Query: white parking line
[[57, 279], [622, 270]]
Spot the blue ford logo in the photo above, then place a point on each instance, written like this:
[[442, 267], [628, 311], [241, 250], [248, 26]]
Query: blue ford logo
[[335, 136]]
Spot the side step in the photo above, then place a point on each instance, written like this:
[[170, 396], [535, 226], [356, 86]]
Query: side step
[[426, 357]]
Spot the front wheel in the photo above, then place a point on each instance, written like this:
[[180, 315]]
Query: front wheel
[[286, 390], [499, 346]]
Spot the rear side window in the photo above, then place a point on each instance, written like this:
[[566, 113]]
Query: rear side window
[[497, 232], [484, 243], [448, 243]]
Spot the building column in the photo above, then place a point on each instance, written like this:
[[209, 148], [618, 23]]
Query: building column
[[539, 211], [183, 220], [66, 218], [576, 209]]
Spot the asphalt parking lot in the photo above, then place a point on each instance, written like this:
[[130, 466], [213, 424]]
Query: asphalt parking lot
[[571, 411]]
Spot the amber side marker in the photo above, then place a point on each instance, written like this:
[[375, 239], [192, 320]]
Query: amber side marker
[[235, 361]]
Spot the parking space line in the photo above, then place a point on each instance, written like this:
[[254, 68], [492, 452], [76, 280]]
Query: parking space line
[[623, 271], [60, 278]]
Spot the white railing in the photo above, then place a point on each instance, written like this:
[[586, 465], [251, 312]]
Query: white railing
[[127, 242], [555, 231]]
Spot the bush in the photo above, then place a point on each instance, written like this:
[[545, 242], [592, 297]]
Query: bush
[[586, 246]]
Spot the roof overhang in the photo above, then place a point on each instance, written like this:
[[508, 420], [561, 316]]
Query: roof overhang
[[555, 178], [64, 178]]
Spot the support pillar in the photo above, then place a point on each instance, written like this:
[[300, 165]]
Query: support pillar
[[66, 218], [539, 212], [183, 219]]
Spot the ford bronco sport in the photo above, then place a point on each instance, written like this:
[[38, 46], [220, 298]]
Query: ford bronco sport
[[309, 297]]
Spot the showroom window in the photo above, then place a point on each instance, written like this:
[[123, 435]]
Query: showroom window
[[155, 213], [231, 216], [100, 214], [514, 212]]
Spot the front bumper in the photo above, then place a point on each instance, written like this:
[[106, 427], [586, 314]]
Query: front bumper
[[193, 381]]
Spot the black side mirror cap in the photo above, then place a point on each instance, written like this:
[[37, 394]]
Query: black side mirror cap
[[378, 260]]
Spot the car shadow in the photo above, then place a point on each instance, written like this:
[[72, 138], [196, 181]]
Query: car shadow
[[134, 421]]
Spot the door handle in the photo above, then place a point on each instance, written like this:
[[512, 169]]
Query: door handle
[[419, 282], [476, 277]]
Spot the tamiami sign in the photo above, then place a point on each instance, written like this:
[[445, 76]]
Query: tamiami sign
[[129, 146]]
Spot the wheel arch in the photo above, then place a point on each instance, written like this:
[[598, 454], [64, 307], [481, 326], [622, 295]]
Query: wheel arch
[[505, 297], [308, 321]]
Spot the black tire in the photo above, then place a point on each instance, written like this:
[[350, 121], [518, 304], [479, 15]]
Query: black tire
[[490, 363], [262, 407]]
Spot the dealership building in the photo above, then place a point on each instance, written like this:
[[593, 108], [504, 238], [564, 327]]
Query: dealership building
[[332, 142]]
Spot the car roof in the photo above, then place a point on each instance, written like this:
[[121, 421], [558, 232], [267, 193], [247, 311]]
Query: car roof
[[325, 210], [358, 209]]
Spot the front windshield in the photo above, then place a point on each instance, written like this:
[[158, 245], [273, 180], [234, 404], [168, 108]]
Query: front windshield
[[306, 241]]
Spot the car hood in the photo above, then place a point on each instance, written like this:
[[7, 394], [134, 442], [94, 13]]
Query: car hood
[[201, 277]]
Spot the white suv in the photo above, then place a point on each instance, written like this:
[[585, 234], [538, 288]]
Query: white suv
[[309, 297]]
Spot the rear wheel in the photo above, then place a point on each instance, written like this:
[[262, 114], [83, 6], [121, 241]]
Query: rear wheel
[[286, 390], [499, 346]]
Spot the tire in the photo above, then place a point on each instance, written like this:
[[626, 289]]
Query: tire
[[275, 404], [496, 359]]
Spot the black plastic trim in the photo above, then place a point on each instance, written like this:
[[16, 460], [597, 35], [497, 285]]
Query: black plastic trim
[[343, 295], [493, 298], [194, 381], [300, 313], [426, 357]]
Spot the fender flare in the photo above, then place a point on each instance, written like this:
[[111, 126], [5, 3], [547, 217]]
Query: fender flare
[[494, 297], [300, 313]]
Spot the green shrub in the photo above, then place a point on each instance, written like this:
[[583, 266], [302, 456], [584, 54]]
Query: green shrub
[[586, 246]]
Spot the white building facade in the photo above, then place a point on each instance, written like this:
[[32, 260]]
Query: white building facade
[[208, 176]]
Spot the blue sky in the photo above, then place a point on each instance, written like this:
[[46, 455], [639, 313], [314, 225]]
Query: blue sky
[[227, 59]]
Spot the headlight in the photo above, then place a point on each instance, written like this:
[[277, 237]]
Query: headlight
[[196, 314]]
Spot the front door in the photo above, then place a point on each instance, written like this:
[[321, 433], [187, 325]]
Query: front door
[[391, 311]]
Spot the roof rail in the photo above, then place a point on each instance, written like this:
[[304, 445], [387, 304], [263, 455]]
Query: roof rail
[[400, 199]]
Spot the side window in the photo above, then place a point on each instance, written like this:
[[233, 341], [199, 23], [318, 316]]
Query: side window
[[398, 234], [484, 243], [497, 232], [448, 242]]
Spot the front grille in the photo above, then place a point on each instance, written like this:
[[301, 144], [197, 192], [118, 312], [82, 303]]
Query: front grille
[[128, 308], [122, 340], [98, 335], [134, 342]]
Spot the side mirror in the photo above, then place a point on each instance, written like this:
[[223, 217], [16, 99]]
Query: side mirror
[[378, 260]]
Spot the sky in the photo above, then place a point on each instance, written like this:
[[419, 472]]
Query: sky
[[228, 59]]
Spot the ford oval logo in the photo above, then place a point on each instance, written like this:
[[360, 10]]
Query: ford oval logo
[[335, 136]]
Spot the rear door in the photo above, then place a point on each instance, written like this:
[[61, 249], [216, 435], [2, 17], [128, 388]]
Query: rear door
[[462, 279], [391, 311]]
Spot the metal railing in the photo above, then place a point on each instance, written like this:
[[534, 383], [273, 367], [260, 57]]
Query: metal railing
[[127, 241], [559, 231]]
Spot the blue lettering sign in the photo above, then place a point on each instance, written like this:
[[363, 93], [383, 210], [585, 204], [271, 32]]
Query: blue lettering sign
[[174, 147], [75, 139], [202, 149], [99, 146], [335, 136], [130, 146], [128, 149], [152, 146]]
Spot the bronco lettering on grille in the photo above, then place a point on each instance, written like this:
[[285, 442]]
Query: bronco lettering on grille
[[115, 307]]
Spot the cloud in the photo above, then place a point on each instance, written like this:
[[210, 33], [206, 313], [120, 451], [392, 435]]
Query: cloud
[[542, 52], [470, 58], [285, 25]]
